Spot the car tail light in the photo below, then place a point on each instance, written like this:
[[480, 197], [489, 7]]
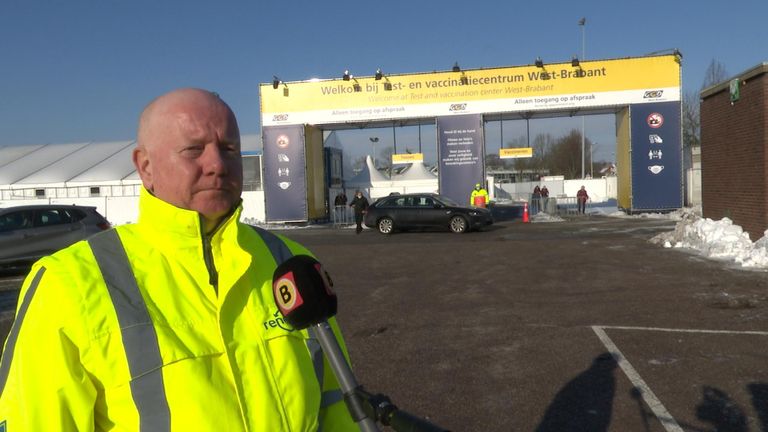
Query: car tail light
[[104, 225]]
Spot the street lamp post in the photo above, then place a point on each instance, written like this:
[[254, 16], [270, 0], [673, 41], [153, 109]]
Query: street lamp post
[[582, 24]]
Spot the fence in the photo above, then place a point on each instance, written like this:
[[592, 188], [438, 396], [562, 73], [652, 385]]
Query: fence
[[600, 190], [560, 205], [342, 215]]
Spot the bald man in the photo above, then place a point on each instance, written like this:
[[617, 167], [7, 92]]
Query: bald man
[[188, 153], [168, 324]]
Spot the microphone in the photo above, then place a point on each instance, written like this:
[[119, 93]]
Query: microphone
[[302, 291]]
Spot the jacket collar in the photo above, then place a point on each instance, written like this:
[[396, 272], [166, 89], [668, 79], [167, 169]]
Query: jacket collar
[[163, 217]]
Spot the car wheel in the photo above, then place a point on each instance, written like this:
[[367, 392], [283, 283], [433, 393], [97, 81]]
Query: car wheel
[[458, 224], [385, 225]]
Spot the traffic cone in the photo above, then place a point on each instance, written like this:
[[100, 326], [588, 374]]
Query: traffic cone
[[526, 219]]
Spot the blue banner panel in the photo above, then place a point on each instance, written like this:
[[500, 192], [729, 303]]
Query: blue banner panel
[[285, 185], [657, 169], [461, 153]]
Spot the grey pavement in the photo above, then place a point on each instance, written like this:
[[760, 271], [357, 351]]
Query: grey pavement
[[581, 325]]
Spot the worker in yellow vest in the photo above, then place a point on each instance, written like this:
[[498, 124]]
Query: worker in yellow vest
[[169, 324], [479, 196]]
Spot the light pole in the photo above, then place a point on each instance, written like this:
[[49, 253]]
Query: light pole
[[374, 140], [582, 24]]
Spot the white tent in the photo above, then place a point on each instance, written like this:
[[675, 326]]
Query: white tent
[[416, 172], [368, 177], [416, 179], [77, 164]]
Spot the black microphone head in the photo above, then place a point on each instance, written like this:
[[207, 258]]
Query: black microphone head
[[302, 291]]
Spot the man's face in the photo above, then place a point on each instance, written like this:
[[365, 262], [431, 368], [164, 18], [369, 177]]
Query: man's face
[[193, 159]]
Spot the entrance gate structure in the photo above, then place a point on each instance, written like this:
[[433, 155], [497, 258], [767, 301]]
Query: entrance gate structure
[[644, 93]]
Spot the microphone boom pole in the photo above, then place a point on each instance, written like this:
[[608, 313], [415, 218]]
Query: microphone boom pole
[[347, 381], [302, 291]]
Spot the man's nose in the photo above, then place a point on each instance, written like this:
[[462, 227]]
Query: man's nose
[[214, 161]]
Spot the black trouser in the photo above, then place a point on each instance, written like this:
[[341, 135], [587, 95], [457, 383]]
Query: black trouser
[[359, 222]]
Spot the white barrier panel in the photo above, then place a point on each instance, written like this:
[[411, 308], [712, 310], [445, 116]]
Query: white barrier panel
[[254, 210], [599, 190]]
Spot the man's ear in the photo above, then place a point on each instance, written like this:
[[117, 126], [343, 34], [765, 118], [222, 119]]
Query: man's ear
[[143, 167]]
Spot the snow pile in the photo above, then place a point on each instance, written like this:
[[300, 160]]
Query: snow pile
[[618, 214], [542, 217], [676, 215], [274, 225], [720, 240]]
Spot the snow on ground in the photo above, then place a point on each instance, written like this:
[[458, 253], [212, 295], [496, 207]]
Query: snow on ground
[[542, 217], [720, 240], [675, 215]]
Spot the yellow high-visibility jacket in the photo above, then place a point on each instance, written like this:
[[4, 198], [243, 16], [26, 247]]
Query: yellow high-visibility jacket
[[481, 193], [186, 337]]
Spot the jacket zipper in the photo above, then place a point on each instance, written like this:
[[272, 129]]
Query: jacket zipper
[[213, 279], [213, 275]]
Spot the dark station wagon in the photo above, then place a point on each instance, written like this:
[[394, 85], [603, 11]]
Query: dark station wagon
[[28, 233], [424, 211]]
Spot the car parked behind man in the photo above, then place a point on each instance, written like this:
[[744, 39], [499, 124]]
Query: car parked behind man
[[28, 233], [422, 211]]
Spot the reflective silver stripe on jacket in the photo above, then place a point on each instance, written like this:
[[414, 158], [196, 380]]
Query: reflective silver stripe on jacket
[[277, 247], [13, 336], [139, 337]]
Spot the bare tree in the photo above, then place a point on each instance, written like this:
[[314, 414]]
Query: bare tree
[[541, 148], [715, 74], [565, 155], [358, 164], [385, 159], [691, 122]]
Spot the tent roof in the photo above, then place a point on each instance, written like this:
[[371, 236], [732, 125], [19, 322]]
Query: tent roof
[[77, 163], [416, 171], [368, 176]]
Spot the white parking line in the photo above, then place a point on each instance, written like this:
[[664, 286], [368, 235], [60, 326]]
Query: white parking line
[[671, 330], [669, 423]]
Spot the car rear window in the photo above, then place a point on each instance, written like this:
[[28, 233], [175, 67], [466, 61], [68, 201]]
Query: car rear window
[[75, 214], [50, 217]]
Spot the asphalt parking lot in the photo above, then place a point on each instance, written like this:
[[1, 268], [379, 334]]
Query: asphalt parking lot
[[581, 325]]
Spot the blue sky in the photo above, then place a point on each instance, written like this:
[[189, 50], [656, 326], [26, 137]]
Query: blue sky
[[76, 71]]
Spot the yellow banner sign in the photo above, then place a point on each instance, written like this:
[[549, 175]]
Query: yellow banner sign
[[520, 152], [407, 158], [509, 89]]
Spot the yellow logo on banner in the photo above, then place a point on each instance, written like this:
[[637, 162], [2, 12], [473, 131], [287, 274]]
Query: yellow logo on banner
[[407, 158], [521, 152]]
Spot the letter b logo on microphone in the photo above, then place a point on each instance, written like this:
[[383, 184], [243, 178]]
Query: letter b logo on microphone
[[286, 294]]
